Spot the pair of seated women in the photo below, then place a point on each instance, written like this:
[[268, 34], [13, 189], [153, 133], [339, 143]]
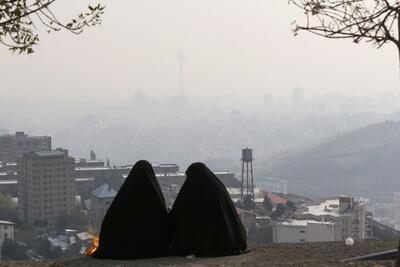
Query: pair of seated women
[[202, 222]]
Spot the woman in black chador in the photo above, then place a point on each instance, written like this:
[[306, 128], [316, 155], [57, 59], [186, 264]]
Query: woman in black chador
[[203, 219], [135, 225]]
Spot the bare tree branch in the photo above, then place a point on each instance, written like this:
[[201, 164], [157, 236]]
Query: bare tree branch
[[372, 21], [19, 20]]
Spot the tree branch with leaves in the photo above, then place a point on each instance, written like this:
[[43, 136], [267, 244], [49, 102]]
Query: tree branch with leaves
[[20, 21], [374, 21]]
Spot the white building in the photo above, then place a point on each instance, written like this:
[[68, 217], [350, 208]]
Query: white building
[[345, 210], [235, 193], [272, 184], [300, 231], [6, 231]]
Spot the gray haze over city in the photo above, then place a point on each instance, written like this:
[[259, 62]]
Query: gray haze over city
[[247, 81], [102, 132]]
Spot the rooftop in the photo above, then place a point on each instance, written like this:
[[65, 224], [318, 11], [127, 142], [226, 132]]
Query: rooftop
[[304, 222], [6, 222], [239, 210], [256, 200], [276, 199], [84, 179], [182, 174], [52, 153], [5, 182], [233, 191], [104, 191], [157, 164], [101, 168], [328, 207], [92, 168]]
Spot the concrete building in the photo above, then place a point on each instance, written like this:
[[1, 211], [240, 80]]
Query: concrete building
[[248, 218], [369, 225], [396, 198], [9, 187], [234, 193], [165, 168], [8, 167], [350, 213], [89, 163], [178, 178], [101, 200], [46, 186], [96, 168], [300, 231], [13, 146], [272, 184], [387, 214], [6, 231]]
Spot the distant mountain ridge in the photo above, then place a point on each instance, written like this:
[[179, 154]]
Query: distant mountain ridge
[[365, 161]]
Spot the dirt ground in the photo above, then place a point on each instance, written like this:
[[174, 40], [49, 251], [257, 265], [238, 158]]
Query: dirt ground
[[309, 254]]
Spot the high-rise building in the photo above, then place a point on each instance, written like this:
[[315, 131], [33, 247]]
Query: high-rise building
[[13, 146], [46, 186], [269, 100], [298, 96]]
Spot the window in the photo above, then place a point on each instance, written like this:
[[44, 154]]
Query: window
[[302, 240], [303, 231]]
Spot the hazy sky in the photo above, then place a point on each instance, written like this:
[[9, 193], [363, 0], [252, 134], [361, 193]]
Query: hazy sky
[[232, 47]]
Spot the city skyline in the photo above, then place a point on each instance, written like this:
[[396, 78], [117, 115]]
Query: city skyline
[[230, 47]]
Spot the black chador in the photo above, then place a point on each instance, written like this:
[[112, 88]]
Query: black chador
[[135, 226], [203, 219]]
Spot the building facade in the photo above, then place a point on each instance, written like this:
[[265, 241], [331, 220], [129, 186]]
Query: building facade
[[13, 146], [300, 231], [6, 231], [46, 186], [248, 218], [101, 200], [273, 184], [350, 213]]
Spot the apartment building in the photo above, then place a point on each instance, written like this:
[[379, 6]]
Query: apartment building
[[46, 186], [13, 146]]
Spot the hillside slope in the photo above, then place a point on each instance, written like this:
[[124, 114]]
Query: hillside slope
[[362, 162]]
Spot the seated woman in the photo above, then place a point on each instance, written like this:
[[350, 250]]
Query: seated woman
[[203, 219], [135, 225]]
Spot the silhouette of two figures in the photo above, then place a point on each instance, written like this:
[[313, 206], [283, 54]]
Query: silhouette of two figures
[[203, 220]]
